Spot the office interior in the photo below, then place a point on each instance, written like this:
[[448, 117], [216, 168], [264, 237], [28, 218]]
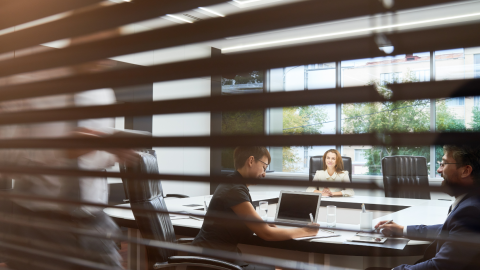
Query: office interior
[[460, 114]]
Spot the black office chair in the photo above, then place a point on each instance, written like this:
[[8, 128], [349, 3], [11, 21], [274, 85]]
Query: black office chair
[[405, 170], [316, 163], [148, 194], [154, 156]]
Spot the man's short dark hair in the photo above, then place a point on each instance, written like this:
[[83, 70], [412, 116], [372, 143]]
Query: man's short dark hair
[[242, 153], [466, 155]]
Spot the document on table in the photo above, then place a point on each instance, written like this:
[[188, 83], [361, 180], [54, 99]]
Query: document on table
[[321, 234], [175, 216], [172, 217], [393, 243]]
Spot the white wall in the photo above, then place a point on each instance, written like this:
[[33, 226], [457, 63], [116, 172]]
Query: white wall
[[179, 160], [183, 160]]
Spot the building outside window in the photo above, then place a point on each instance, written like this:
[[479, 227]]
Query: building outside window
[[394, 77], [360, 155]]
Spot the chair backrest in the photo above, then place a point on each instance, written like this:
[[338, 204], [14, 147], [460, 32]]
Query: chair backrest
[[405, 170], [316, 163], [148, 194]]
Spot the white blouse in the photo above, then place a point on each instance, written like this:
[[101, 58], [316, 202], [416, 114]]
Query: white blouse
[[322, 175]]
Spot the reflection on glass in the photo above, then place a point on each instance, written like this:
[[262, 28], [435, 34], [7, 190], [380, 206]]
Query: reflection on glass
[[241, 122]]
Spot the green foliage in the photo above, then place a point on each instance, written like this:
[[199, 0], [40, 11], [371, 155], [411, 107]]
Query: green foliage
[[446, 120], [303, 120], [476, 119], [251, 77], [387, 117], [241, 122], [297, 121]]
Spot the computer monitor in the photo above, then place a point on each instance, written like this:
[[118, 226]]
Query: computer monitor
[[295, 207]]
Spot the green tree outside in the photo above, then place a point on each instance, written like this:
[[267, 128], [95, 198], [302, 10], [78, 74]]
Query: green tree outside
[[297, 121], [385, 117]]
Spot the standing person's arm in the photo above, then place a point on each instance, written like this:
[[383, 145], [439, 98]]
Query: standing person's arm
[[266, 232]]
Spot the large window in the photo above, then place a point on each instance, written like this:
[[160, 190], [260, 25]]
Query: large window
[[315, 119], [402, 116], [443, 115]]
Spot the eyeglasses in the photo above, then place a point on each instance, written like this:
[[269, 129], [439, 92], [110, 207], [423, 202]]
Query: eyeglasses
[[266, 165], [442, 164]]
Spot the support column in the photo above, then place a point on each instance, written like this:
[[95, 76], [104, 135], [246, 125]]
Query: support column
[[275, 117], [338, 106], [433, 116], [215, 125]]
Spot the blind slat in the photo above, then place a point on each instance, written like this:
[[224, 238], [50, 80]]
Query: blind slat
[[94, 21], [306, 12], [419, 90], [398, 139], [365, 47], [22, 11]]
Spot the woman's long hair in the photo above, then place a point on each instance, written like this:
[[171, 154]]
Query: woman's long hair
[[338, 161]]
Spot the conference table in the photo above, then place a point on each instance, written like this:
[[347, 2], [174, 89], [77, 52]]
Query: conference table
[[402, 211]]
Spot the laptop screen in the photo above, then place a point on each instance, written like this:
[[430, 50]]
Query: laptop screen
[[297, 207]]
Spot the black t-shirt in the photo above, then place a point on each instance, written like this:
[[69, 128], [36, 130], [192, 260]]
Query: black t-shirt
[[224, 234]]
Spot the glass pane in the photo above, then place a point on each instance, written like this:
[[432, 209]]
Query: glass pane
[[315, 119], [241, 122], [402, 116]]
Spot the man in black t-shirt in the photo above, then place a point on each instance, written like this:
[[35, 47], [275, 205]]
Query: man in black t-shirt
[[226, 234], [233, 200]]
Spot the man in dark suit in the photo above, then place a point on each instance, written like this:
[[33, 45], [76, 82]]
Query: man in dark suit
[[460, 169]]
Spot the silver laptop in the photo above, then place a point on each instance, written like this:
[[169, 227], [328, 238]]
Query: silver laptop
[[296, 206]]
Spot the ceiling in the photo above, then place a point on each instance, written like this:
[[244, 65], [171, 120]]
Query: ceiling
[[457, 12]]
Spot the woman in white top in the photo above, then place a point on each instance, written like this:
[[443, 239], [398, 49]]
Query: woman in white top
[[333, 163]]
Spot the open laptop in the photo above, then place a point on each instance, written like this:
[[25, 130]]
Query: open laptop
[[295, 207]]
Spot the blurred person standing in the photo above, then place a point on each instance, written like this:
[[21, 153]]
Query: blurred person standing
[[65, 246]]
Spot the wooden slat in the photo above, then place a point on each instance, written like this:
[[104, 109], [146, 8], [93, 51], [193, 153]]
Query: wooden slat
[[92, 21], [22, 11], [410, 91], [356, 48], [203, 104], [438, 89], [193, 178], [225, 64], [305, 12], [398, 139]]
